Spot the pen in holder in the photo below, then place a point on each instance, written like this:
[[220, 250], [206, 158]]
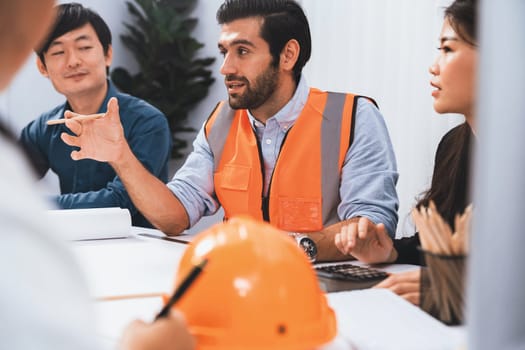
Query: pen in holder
[[442, 282], [442, 287]]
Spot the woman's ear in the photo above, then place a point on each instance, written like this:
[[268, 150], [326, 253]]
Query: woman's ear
[[290, 54]]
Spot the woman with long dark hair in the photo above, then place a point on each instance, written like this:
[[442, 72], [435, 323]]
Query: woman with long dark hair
[[454, 91]]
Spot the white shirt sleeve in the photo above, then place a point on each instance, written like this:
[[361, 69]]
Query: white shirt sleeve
[[43, 297]]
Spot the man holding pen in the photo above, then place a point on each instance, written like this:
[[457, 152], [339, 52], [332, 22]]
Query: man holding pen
[[75, 57]]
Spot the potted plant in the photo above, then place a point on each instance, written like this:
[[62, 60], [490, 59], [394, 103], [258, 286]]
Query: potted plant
[[171, 76]]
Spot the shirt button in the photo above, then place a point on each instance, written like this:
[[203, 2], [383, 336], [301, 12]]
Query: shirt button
[[268, 141]]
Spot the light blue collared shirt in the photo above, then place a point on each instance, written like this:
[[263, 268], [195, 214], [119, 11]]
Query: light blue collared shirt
[[369, 174]]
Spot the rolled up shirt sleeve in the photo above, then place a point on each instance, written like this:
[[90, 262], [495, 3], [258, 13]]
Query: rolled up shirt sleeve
[[369, 174], [193, 184]]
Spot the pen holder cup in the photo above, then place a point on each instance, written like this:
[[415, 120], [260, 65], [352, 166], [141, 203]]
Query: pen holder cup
[[443, 287]]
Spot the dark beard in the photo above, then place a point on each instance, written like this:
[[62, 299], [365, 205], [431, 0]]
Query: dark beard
[[254, 97]]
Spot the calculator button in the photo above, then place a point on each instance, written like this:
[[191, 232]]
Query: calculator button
[[350, 272]]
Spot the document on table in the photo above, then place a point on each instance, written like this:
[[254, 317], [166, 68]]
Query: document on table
[[377, 319], [374, 319], [93, 223], [123, 268], [114, 316]]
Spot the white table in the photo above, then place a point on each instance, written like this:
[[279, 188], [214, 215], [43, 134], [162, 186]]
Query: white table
[[369, 319]]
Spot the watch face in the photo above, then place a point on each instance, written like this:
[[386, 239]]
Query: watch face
[[309, 247]]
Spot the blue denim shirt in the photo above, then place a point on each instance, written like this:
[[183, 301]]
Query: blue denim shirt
[[369, 174], [91, 184]]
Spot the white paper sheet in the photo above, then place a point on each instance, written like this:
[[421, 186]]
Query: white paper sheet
[[374, 319], [129, 266], [94, 223], [377, 319], [114, 316]]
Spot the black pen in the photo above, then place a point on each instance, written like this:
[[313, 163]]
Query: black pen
[[182, 288], [164, 238]]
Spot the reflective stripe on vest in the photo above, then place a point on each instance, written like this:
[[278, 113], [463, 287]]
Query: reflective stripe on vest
[[304, 191], [221, 119]]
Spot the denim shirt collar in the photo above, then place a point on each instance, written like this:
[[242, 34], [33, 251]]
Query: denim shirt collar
[[112, 92]]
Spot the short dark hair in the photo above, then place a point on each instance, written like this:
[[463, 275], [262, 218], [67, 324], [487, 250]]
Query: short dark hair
[[71, 16], [283, 20]]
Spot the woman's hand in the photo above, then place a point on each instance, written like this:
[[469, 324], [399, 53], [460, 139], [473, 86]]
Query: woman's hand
[[405, 284]]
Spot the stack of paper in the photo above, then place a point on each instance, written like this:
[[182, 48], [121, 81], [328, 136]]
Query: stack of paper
[[95, 223]]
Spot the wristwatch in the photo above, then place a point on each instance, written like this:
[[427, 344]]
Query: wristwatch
[[305, 243]]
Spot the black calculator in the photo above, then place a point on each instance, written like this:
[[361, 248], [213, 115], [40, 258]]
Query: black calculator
[[347, 276]]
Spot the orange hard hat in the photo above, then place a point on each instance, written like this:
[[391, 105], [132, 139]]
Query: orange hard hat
[[257, 291]]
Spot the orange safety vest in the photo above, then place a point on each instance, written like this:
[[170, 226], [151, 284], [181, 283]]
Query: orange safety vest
[[304, 189]]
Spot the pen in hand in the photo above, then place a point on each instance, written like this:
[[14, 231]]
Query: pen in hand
[[182, 288], [78, 117]]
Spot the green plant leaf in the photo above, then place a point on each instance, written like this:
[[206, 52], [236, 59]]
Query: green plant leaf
[[171, 76]]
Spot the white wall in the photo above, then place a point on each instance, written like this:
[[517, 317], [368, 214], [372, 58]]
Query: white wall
[[380, 48], [383, 49]]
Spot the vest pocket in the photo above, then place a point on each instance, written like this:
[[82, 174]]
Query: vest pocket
[[231, 188], [233, 177], [300, 214]]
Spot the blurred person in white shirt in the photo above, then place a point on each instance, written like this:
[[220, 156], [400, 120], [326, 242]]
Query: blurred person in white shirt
[[43, 297]]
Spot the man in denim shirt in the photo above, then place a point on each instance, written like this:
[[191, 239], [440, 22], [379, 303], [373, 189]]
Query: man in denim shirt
[[75, 57]]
